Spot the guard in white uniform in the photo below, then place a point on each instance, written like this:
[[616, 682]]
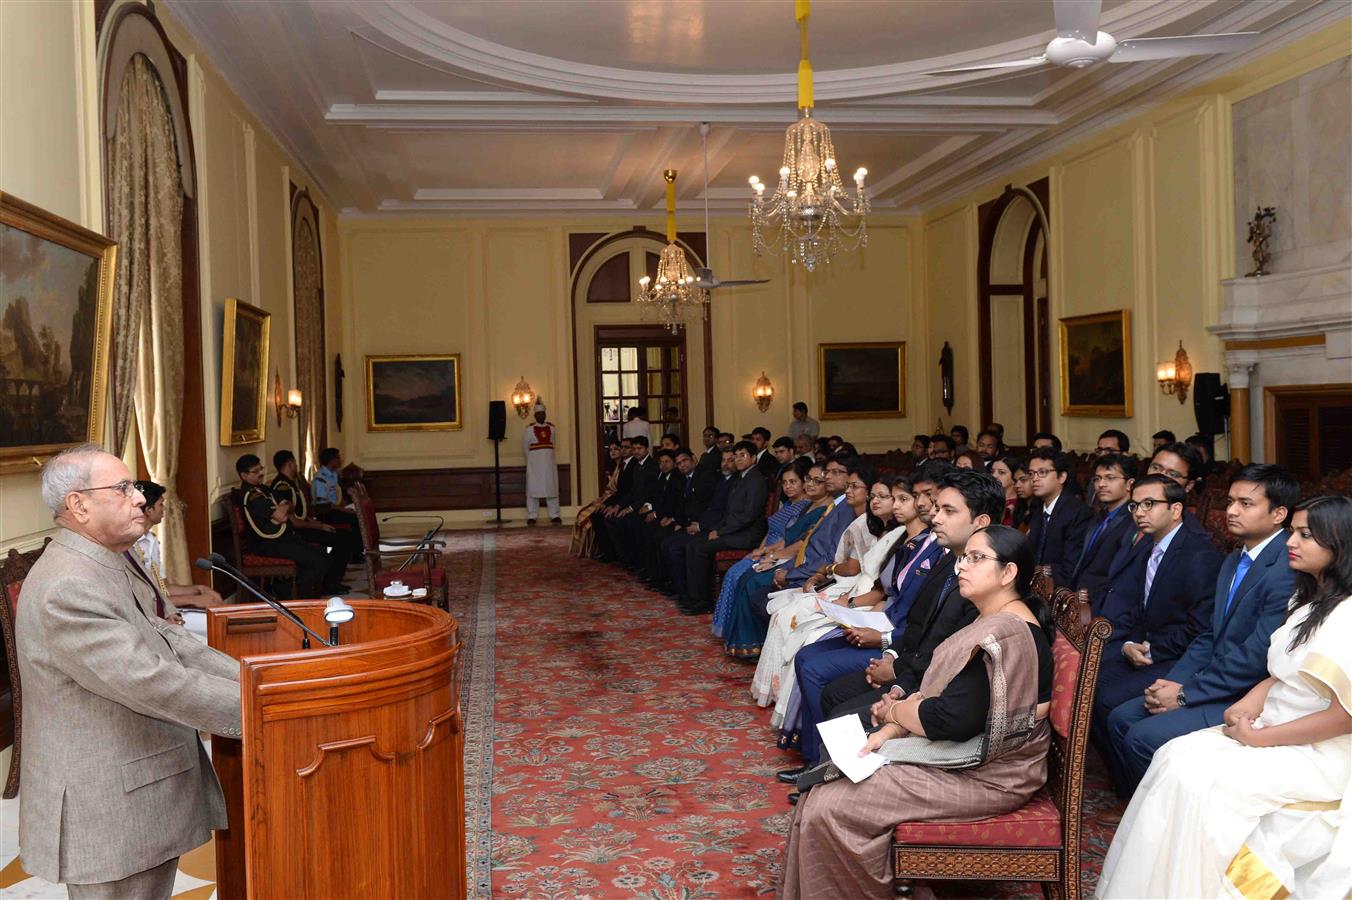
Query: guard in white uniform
[[542, 473]]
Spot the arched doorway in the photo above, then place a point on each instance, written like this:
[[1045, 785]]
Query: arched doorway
[[1013, 315]]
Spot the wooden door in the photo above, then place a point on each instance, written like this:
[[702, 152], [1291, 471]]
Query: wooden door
[[639, 366]]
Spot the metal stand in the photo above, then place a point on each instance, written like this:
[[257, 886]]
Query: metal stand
[[497, 479]]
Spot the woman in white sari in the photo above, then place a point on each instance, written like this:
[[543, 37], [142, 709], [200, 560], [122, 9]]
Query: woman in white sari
[[1259, 807], [796, 618]]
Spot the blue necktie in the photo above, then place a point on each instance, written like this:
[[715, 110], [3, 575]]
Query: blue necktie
[[1093, 538], [1245, 561], [1042, 536]]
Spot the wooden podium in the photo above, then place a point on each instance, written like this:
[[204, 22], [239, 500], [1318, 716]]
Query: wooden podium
[[349, 781]]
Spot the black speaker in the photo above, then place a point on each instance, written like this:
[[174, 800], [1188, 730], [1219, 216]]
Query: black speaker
[[497, 420], [1210, 402]]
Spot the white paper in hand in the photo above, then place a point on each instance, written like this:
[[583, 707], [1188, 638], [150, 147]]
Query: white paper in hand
[[855, 618], [844, 738]]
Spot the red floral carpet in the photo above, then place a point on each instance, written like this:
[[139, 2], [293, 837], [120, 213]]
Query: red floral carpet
[[626, 757]]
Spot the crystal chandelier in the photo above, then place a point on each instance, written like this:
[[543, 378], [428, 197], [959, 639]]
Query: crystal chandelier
[[673, 296], [810, 209]]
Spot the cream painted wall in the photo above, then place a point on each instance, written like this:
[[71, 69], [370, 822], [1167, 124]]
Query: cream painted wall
[[46, 157]]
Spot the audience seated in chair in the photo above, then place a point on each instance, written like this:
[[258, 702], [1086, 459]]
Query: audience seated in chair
[[697, 518], [635, 484], [1229, 658], [1113, 478], [941, 447], [1254, 806], [583, 535], [1112, 441], [741, 528], [147, 549], [958, 748], [1060, 520], [328, 504], [268, 530], [289, 486]]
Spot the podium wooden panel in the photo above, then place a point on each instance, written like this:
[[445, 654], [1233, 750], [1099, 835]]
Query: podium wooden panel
[[349, 781]]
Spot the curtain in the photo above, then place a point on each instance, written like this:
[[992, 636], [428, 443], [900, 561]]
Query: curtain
[[146, 219], [307, 281]]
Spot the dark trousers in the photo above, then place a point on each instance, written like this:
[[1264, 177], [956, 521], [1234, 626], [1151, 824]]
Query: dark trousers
[[317, 570], [674, 551], [1134, 735], [1118, 682], [653, 537], [699, 564], [818, 665], [628, 536], [345, 544], [344, 520]]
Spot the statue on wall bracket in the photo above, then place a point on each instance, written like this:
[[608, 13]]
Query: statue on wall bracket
[[946, 376], [1260, 236]]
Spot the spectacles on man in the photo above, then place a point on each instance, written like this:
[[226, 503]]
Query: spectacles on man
[[1157, 469], [127, 488], [1106, 479], [1041, 473], [1145, 505], [972, 558], [836, 471]]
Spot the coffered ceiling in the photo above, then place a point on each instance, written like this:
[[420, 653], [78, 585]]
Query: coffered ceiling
[[575, 106]]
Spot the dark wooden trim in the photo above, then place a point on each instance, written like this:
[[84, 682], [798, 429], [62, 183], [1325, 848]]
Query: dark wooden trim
[[395, 490], [298, 196], [1031, 337], [1006, 288]]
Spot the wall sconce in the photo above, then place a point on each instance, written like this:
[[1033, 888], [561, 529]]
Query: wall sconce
[[763, 393], [1175, 376], [293, 404], [523, 397]]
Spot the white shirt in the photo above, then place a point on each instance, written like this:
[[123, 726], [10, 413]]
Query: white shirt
[[148, 548], [1048, 507], [1261, 545], [1162, 545], [636, 427]]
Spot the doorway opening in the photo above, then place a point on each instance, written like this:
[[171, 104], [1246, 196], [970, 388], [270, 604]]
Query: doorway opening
[[644, 367]]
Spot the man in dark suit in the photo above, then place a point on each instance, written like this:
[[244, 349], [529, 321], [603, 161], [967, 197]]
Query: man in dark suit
[[1114, 476], [696, 521], [741, 528], [629, 530], [763, 457], [710, 459], [1230, 657], [1060, 523], [661, 519], [642, 472], [1160, 603]]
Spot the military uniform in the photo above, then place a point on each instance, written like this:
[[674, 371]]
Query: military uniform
[[347, 543], [317, 571]]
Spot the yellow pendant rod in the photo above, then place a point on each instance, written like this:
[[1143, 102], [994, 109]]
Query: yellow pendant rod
[[801, 12], [670, 176]]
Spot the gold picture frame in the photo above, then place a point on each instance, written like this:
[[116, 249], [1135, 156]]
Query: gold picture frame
[[56, 313], [861, 380], [244, 374], [1096, 365], [413, 392]]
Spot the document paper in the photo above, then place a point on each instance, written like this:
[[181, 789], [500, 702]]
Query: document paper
[[844, 738]]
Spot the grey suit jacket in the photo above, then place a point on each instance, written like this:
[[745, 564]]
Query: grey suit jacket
[[115, 780]]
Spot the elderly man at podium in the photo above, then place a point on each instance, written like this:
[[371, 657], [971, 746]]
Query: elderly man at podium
[[115, 783]]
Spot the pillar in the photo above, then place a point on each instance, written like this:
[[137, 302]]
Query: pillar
[[1239, 366]]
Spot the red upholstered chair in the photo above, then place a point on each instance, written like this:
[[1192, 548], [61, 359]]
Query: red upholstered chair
[[254, 565], [388, 561], [1040, 841], [12, 574]]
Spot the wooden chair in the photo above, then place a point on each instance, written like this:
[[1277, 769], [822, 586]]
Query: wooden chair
[[12, 574], [1040, 841], [254, 565], [412, 562]]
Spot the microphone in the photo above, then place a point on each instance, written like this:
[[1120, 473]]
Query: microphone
[[217, 563], [424, 542]]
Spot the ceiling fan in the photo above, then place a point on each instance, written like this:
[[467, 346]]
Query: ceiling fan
[[705, 278], [1079, 43]]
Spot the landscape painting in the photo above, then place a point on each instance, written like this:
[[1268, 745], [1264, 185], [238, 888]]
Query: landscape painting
[[244, 373], [1096, 365], [55, 312], [413, 393], [862, 380]]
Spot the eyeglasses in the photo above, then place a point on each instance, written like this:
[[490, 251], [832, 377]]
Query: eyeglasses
[[256, 470], [126, 488], [1157, 469], [1041, 473], [972, 558], [1106, 479], [855, 485], [836, 472], [1145, 505], [817, 480]]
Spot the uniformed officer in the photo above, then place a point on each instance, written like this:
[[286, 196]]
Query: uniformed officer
[[268, 531], [542, 473], [289, 486]]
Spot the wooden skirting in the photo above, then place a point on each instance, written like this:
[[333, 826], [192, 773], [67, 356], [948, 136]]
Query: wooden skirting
[[394, 490]]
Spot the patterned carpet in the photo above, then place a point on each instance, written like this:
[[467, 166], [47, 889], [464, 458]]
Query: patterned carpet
[[626, 757]]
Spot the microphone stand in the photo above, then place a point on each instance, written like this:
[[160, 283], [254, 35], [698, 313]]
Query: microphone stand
[[218, 564]]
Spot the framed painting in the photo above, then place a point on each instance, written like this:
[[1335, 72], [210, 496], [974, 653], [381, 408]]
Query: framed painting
[[416, 392], [1096, 365], [244, 374], [56, 301], [862, 380]]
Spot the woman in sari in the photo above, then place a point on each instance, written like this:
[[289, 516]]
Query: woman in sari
[[796, 618], [1260, 806], [793, 484], [741, 629], [1003, 469], [582, 526], [969, 744], [1021, 516]]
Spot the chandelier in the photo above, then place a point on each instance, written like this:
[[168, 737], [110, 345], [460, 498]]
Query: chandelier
[[674, 295], [810, 210]]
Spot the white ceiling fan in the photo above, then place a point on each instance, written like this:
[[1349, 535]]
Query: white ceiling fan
[[1079, 43], [705, 278]]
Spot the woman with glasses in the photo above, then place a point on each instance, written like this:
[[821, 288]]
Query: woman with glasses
[[793, 484], [970, 743], [738, 620], [1260, 806], [796, 618]]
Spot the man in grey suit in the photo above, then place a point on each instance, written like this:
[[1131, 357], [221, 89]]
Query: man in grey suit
[[116, 784]]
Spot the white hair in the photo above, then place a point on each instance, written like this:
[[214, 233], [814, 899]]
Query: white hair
[[70, 470]]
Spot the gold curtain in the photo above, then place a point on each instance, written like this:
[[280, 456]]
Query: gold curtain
[[307, 282], [146, 219]]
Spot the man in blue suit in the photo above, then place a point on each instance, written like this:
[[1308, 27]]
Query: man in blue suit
[[1113, 478], [1062, 522], [1161, 601], [1227, 660]]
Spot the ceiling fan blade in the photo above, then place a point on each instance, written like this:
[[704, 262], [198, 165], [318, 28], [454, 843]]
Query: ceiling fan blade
[[1138, 49], [724, 284], [1007, 64], [1078, 18]]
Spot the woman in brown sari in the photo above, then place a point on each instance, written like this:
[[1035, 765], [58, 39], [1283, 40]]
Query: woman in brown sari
[[970, 744], [582, 526]]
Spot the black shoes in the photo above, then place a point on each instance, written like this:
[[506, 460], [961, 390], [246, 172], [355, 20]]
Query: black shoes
[[530, 521], [793, 798], [556, 521], [790, 776]]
